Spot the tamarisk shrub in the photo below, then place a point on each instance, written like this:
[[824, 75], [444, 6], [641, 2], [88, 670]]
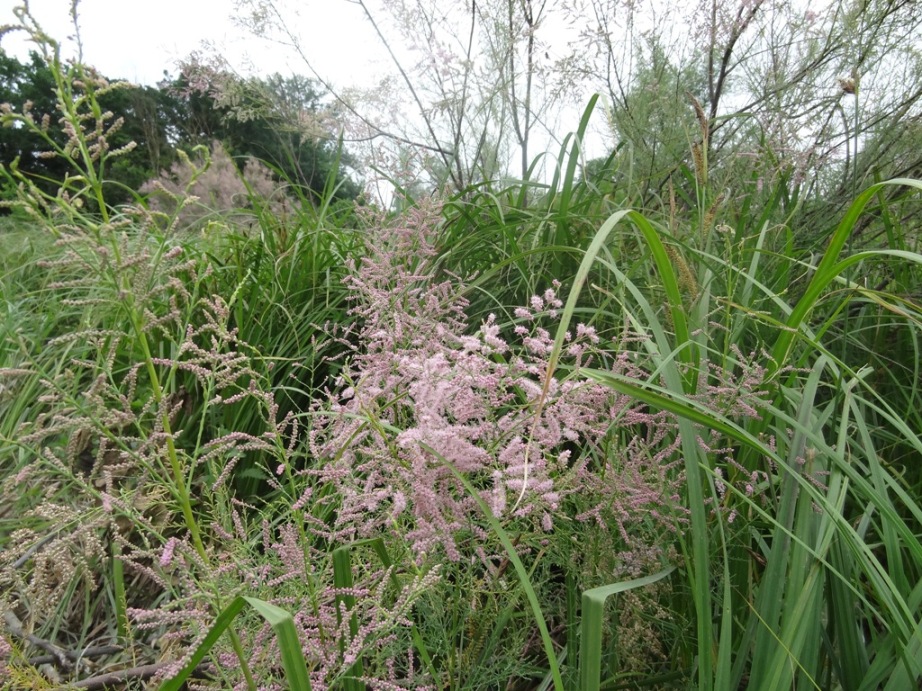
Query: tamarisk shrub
[[192, 192], [423, 390], [587, 481]]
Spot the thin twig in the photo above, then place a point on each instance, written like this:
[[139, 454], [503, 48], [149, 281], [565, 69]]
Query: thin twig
[[35, 548], [142, 672], [75, 655], [14, 626]]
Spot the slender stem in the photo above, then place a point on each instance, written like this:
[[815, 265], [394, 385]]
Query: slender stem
[[182, 489], [121, 598], [179, 479]]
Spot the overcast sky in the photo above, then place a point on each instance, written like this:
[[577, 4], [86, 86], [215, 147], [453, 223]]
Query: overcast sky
[[137, 41], [129, 39]]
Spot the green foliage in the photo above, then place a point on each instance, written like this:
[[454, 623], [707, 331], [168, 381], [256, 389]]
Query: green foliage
[[261, 121], [281, 622], [653, 124], [21, 83], [275, 119], [142, 110], [178, 411]]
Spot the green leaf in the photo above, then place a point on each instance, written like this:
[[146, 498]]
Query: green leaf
[[593, 612], [280, 621]]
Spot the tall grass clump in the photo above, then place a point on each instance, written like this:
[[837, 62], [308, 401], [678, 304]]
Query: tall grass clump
[[784, 520], [526, 437]]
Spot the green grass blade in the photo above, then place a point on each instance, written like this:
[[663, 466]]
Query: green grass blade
[[595, 247], [281, 622], [771, 668], [516, 562], [289, 645], [593, 612], [827, 270], [566, 193], [687, 350], [685, 408], [344, 582], [699, 569]]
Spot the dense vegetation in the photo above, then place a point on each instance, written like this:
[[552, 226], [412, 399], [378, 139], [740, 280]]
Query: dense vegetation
[[180, 113], [606, 431]]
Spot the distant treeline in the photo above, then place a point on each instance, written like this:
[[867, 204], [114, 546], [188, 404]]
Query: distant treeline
[[267, 118]]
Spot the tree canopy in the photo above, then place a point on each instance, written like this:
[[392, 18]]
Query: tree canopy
[[274, 119]]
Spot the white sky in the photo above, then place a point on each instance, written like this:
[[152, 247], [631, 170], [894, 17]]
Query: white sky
[[139, 40], [134, 40]]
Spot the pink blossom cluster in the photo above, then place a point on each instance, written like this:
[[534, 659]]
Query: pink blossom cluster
[[192, 193], [423, 398]]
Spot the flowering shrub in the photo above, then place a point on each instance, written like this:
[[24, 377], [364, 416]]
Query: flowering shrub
[[193, 192], [421, 395]]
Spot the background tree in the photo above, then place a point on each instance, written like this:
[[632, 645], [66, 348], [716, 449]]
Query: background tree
[[279, 120], [653, 121], [30, 85], [807, 89], [276, 119], [477, 82], [471, 86]]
